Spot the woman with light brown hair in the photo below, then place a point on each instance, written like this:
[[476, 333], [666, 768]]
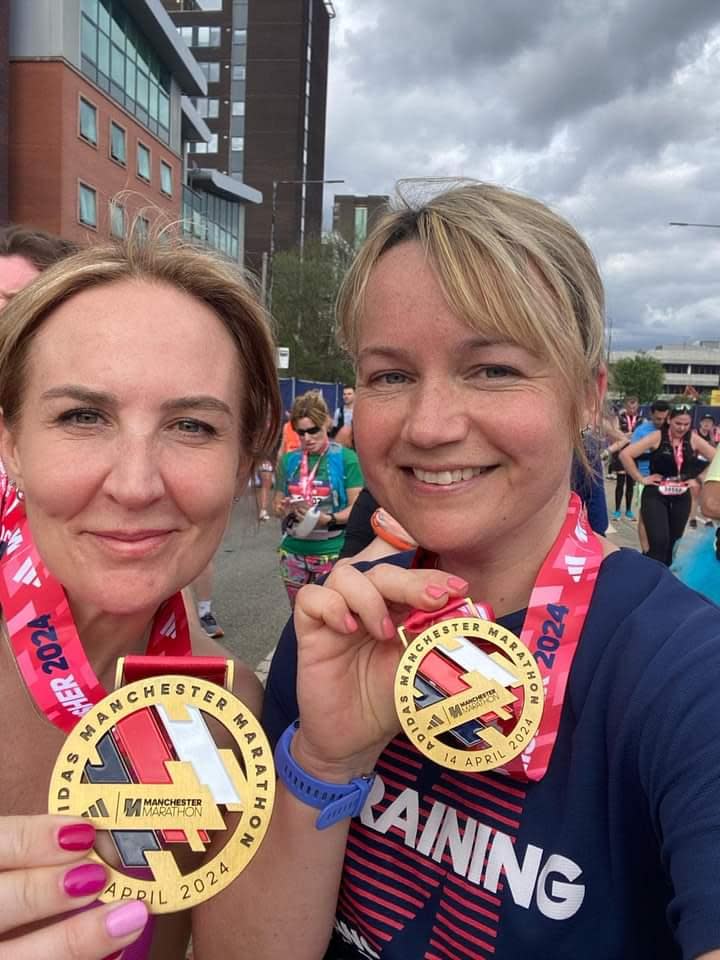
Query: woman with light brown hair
[[315, 489], [508, 740], [138, 391]]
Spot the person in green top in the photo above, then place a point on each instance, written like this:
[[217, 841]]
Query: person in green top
[[315, 489]]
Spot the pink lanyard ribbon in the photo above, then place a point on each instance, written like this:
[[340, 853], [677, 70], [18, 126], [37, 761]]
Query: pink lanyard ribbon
[[43, 635], [554, 621], [679, 456]]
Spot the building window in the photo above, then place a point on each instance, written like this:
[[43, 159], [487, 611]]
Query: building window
[[208, 37], [88, 121], [238, 108], [118, 150], [239, 36], [117, 220], [211, 69], [187, 34], [237, 144], [87, 205], [143, 162], [238, 71], [207, 107], [116, 56], [142, 227], [205, 5], [361, 216], [166, 178], [209, 147]]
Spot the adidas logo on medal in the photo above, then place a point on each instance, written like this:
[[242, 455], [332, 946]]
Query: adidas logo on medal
[[27, 574], [436, 721], [97, 809]]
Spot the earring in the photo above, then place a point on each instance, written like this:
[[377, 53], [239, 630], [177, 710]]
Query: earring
[[20, 494]]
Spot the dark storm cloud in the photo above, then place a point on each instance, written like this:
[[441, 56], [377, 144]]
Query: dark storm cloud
[[606, 109]]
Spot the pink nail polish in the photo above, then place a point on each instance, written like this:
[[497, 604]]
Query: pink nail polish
[[85, 880], [434, 591], [114, 956], [127, 918], [76, 836], [388, 628], [350, 623], [457, 583]]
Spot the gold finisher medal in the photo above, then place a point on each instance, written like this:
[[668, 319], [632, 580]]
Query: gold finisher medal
[[144, 765], [468, 693]]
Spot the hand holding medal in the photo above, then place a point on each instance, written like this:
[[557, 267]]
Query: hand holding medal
[[348, 652]]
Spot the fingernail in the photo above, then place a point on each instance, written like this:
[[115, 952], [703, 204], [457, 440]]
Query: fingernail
[[114, 956], [434, 591], [84, 880], [76, 836], [350, 623], [127, 918], [388, 628], [457, 583]]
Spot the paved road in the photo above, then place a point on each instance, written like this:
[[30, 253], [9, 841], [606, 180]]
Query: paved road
[[249, 599]]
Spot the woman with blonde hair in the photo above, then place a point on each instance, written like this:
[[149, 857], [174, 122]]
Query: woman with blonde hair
[[507, 741], [315, 489], [138, 390]]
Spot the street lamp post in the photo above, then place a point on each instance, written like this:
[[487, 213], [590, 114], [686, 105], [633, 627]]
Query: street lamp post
[[273, 222], [681, 223]]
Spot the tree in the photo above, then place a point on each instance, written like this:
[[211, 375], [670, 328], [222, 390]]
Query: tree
[[639, 376], [304, 290]]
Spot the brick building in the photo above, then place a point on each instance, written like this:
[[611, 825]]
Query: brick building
[[266, 63], [99, 118], [353, 216]]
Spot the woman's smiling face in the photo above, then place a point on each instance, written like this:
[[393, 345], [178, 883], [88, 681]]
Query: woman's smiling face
[[127, 445], [463, 440]]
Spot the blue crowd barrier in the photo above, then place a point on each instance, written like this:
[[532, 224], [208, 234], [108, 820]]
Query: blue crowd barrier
[[291, 387]]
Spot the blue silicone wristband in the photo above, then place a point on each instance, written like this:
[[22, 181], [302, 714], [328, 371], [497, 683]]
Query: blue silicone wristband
[[336, 801]]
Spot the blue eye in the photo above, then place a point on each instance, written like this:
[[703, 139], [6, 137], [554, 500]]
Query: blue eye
[[391, 378], [80, 418], [195, 428]]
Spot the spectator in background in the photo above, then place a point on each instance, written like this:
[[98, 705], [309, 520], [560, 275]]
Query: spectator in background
[[24, 253], [341, 430], [290, 440]]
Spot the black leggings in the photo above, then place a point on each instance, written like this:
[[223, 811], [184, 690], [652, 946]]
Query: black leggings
[[623, 480], [664, 519]]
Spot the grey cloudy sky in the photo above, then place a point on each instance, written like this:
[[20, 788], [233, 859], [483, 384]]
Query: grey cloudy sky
[[608, 110]]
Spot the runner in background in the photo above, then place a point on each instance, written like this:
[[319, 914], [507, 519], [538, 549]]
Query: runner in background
[[316, 487], [706, 431], [627, 420], [674, 453], [659, 410]]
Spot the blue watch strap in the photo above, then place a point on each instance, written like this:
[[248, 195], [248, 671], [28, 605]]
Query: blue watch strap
[[336, 801]]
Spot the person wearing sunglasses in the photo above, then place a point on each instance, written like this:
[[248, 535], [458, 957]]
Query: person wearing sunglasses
[[675, 463], [315, 489]]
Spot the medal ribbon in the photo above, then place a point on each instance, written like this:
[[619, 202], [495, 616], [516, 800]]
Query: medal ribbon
[[554, 621], [306, 477], [679, 456], [43, 635], [631, 421]]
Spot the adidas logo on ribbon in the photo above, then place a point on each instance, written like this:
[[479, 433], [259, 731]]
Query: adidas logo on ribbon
[[575, 566], [27, 574], [170, 628]]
